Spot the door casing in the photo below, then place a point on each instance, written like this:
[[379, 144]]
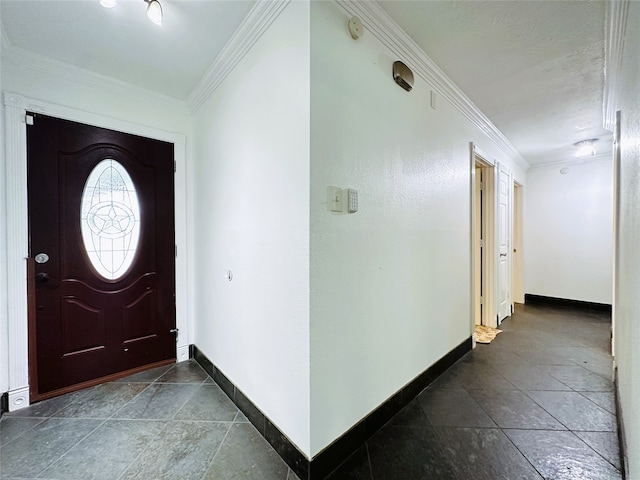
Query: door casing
[[69, 151], [504, 241], [13, 267], [481, 159]]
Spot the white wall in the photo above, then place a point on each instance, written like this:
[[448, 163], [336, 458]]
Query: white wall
[[251, 211], [627, 308], [390, 284], [568, 230]]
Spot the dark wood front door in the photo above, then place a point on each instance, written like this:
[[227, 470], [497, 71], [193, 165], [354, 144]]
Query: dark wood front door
[[101, 229]]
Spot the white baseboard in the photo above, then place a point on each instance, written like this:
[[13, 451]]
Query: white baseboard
[[18, 399], [182, 354]]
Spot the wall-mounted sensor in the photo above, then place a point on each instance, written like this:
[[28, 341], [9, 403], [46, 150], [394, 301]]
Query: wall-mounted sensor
[[342, 200], [352, 200], [355, 28], [403, 75]]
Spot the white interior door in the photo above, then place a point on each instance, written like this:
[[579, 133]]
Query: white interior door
[[504, 242]]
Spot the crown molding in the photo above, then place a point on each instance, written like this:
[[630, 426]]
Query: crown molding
[[385, 29], [49, 66], [615, 31], [574, 162], [259, 19]]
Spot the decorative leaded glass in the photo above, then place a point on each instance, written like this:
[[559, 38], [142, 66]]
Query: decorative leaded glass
[[110, 219]]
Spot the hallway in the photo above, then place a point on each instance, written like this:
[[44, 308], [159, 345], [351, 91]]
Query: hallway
[[536, 403]]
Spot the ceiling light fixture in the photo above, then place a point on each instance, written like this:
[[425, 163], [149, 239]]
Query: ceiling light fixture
[[586, 147], [154, 11]]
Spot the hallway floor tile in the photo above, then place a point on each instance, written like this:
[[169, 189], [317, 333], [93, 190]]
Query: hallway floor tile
[[536, 403]]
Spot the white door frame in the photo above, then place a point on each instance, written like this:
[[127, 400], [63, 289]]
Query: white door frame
[[503, 174], [13, 269], [477, 156], [517, 290], [617, 159]]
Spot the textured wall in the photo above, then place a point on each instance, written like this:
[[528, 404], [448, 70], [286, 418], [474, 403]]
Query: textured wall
[[627, 308], [390, 284], [251, 216], [568, 241]]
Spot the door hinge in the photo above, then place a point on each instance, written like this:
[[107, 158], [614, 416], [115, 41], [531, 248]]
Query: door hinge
[[482, 185], [28, 119], [481, 243], [481, 301], [176, 250], [175, 166]]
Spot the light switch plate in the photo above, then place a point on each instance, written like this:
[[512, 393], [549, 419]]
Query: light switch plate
[[335, 199]]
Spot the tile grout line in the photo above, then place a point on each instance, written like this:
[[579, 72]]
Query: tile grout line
[[60, 457], [213, 459], [26, 431], [542, 477], [593, 449], [366, 446], [104, 421]]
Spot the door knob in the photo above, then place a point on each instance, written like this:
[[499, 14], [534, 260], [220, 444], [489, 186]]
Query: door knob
[[42, 277]]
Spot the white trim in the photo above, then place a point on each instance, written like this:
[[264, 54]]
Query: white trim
[[483, 155], [384, 28], [182, 353], [15, 276], [574, 161], [616, 26], [259, 19], [18, 399], [488, 262], [503, 171], [14, 179]]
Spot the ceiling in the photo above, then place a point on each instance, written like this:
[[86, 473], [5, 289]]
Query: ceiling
[[534, 68], [122, 43]]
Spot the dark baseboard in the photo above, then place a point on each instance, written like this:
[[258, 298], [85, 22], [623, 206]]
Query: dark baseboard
[[622, 439], [296, 460], [531, 299], [337, 452], [4, 403]]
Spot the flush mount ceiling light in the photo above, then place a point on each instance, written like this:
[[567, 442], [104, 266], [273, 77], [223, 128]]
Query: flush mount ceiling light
[[586, 147], [154, 9]]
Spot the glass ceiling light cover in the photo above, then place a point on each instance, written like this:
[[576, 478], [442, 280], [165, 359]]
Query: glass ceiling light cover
[[154, 11]]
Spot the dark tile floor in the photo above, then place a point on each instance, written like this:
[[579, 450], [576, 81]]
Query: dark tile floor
[[167, 423], [536, 403]]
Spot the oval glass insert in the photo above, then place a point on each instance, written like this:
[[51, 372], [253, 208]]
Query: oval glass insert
[[110, 219]]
